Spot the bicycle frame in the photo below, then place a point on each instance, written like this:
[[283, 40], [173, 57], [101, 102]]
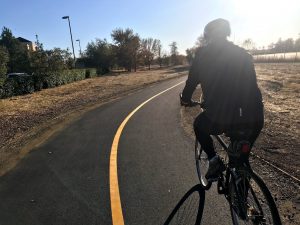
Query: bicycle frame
[[237, 175], [232, 170], [222, 143], [235, 182]]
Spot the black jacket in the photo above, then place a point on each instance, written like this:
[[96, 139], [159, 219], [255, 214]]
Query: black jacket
[[228, 81]]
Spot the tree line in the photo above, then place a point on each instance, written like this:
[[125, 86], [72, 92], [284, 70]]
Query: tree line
[[15, 57], [127, 51], [281, 46]]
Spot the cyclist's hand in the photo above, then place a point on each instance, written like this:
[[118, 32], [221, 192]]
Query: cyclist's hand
[[202, 105], [183, 103], [190, 103], [193, 103]]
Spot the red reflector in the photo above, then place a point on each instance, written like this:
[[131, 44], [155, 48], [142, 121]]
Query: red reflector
[[245, 148]]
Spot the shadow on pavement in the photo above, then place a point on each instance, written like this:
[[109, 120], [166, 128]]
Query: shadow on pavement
[[189, 209]]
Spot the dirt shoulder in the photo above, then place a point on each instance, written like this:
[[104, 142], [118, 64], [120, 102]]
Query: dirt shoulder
[[27, 121], [279, 140]]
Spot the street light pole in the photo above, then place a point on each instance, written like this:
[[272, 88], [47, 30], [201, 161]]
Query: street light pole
[[67, 17], [79, 46]]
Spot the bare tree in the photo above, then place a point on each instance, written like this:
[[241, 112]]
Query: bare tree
[[297, 44], [190, 54], [150, 48], [248, 44], [288, 45], [200, 41], [297, 47], [174, 52], [159, 52]]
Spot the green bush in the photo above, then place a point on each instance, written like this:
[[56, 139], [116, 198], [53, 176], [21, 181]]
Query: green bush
[[91, 72], [9, 87], [25, 85], [2, 80], [57, 78], [101, 71], [37, 82], [17, 86]]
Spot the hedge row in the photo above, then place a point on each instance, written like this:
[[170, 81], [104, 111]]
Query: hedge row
[[17, 86], [36, 82]]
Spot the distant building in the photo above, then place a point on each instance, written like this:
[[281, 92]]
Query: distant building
[[30, 46]]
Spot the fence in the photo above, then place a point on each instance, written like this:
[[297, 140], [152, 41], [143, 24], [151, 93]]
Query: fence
[[278, 57]]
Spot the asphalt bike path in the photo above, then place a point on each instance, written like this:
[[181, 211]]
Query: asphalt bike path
[[66, 180]]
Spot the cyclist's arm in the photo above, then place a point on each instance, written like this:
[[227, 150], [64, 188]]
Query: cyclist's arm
[[192, 81], [249, 77]]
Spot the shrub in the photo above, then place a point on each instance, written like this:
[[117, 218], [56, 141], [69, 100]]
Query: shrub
[[57, 78], [37, 82], [9, 87], [17, 86], [2, 80], [91, 72], [102, 71], [29, 84]]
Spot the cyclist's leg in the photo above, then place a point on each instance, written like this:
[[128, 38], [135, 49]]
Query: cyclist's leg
[[256, 129], [203, 128]]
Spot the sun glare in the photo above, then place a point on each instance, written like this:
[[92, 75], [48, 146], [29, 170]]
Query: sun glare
[[256, 10], [264, 20]]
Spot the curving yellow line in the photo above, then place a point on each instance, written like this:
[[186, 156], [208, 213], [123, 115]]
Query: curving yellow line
[[115, 201]]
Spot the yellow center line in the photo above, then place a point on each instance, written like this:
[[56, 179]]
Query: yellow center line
[[115, 201]]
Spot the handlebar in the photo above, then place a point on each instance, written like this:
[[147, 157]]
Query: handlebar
[[195, 103], [191, 103]]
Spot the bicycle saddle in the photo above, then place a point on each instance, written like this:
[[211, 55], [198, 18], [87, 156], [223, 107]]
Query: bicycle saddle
[[241, 134]]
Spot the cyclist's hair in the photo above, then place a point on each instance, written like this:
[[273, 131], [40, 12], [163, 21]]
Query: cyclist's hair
[[217, 29]]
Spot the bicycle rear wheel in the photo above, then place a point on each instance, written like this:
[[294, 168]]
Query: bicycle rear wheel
[[251, 202], [202, 166]]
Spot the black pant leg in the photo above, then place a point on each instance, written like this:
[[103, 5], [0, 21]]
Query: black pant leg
[[257, 127], [203, 128]]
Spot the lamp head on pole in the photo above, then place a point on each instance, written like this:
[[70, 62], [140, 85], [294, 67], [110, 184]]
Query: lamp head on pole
[[65, 17], [77, 40]]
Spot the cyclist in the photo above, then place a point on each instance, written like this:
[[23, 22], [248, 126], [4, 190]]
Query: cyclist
[[232, 99]]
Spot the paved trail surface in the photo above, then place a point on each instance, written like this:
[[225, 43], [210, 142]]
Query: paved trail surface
[[66, 180]]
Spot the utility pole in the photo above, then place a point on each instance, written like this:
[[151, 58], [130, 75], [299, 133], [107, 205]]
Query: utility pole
[[79, 47]]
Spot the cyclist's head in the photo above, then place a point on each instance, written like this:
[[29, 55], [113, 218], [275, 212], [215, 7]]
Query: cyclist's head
[[216, 30]]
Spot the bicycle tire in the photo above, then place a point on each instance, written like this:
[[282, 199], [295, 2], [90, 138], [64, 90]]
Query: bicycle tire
[[259, 208], [201, 166]]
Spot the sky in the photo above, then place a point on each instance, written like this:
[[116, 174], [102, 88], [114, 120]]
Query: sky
[[264, 21]]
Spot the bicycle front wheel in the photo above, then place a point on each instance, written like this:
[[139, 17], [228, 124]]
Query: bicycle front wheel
[[251, 202], [201, 166]]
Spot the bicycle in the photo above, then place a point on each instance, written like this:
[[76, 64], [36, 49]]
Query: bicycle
[[248, 196]]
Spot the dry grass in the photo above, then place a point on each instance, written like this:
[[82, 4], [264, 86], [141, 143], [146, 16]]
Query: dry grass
[[28, 120], [280, 85]]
